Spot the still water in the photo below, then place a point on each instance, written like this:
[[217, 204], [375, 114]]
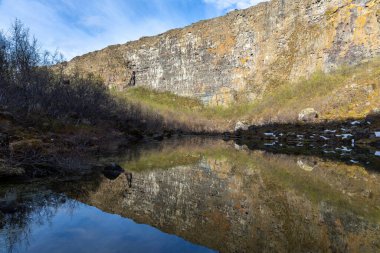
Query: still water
[[71, 226], [198, 195]]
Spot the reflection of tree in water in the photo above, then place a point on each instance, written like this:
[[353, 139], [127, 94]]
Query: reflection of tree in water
[[19, 212]]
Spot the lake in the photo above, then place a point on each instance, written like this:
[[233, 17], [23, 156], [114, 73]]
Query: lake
[[203, 195]]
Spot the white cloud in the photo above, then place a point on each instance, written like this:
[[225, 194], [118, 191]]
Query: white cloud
[[75, 27], [95, 24], [224, 5]]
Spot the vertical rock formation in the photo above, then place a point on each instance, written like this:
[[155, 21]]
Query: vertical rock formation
[[244, 52]]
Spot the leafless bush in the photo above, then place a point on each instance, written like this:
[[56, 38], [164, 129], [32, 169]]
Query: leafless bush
[[30, 89]]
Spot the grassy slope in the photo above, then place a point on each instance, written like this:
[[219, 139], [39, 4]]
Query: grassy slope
[[350, 92]]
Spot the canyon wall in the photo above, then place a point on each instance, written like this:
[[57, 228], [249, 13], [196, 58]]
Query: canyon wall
[[244, 52]]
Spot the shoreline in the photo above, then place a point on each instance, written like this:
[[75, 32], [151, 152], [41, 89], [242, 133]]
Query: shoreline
[[28, 153]]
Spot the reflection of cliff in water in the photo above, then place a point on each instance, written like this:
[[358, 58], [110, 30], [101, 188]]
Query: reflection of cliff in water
[[246, 201]]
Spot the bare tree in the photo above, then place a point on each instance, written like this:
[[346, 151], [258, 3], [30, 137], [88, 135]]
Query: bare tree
[[30, 86]]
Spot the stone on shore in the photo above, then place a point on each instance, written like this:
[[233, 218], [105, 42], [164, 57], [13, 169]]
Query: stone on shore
[[308, 115]]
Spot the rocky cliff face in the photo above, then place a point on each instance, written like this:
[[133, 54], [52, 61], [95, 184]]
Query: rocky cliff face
[[244, 52]]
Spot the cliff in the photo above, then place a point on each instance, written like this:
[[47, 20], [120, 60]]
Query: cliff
[[244, 52]]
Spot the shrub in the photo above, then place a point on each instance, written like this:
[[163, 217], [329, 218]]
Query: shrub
[[31, 88]]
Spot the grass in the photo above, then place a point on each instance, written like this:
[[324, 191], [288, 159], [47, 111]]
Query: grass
[[331, 94], [341, 94], [177, 110], [162, 100]]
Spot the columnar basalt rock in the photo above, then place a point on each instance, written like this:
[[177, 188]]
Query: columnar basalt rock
[[245, 51]]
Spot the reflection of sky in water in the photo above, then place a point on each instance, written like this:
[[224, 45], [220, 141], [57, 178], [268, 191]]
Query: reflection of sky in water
[[91, 230]]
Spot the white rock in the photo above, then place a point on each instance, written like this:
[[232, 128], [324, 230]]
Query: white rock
[[346, 136], [241, 126], [304, 166], [308, 114]]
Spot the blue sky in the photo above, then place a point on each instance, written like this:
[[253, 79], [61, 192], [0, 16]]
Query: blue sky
[[75, 27]]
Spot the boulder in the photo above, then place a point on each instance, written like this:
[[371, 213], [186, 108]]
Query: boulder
[[303, 165], [113, 171], [241, 126], [308, 115]]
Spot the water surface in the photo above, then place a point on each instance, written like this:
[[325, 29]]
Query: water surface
[[202, 195], [66, 225]]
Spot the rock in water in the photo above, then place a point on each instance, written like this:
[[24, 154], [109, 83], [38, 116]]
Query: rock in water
[[308, 115], [113, 171]]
